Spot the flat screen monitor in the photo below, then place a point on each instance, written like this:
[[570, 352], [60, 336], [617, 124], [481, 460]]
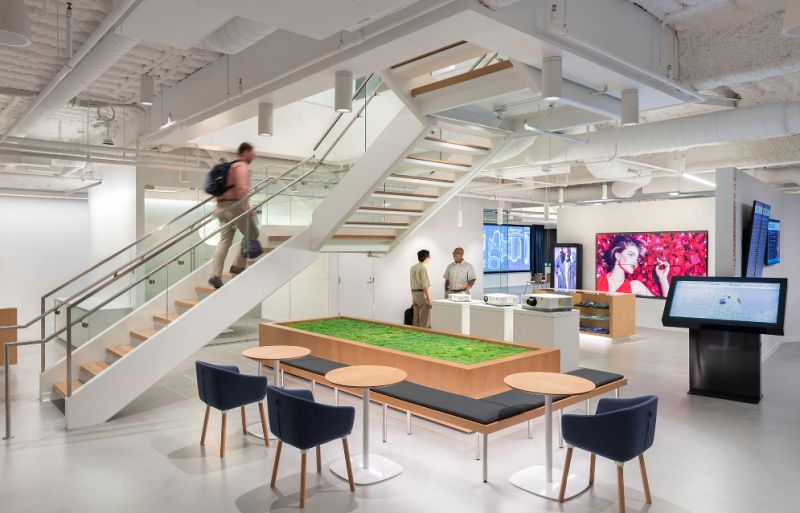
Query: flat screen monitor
[[644, 263], [774, 242], [506, 248], [567, 264], [753, 305], [756, 241]]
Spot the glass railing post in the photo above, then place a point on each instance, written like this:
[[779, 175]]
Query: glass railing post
[[69, 350], [43, 333]]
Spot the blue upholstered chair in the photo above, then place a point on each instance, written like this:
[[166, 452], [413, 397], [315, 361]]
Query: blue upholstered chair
[[223, 388], [296, 419], [620, 430]]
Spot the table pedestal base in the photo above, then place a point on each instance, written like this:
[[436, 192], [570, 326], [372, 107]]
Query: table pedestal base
[[380, 469], [256, 431], [532, 479]]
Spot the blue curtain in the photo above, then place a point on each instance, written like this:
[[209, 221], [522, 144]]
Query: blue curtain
[[537, 248]]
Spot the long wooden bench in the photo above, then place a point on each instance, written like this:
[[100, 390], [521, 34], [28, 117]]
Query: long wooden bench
[[482, 416]]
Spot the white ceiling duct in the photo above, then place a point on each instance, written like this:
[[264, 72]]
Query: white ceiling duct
[[741, 124], [513, 149], [779, 176], [612, 170], [100, 59], [627, 188], [237, 34]]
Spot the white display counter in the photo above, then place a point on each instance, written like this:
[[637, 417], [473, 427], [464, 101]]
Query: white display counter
[[558, 330], [495, 322], [451, 316]]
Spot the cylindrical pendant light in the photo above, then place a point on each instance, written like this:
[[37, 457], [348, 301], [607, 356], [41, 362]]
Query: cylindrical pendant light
[[499, 213], [791, 19], [146, 90], [343, 92], [561, 195], [546, 212], [265, 116], [604, 195], [551, 79], [459, 218], [15, 27], [630, 107]]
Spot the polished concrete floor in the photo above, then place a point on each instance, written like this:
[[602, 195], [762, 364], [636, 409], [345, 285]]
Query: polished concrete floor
[[709, 455]]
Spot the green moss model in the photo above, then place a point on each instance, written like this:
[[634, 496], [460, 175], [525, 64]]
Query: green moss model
[[452, 349]]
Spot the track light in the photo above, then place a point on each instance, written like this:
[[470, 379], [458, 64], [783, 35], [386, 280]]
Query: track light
[[265, 117], [630, 107], [15, 27], [169, 122], [551, 79], [561, 195], [146, 90], [343, 91], [791, 19], [604, 195]]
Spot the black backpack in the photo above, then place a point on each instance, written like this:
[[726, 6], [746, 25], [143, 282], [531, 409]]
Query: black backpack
[[408, 316], [217, 179]]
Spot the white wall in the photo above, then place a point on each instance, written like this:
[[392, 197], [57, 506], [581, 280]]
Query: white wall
[[304, 297], [45, 242], [439, 235], [580, 224], [736, 192], [116, 211]]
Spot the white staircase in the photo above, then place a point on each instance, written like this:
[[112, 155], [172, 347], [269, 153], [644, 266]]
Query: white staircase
[[410, 171]]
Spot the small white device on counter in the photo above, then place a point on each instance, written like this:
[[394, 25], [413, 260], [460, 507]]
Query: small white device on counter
[[460, 298], [547, 302], [500, 299]]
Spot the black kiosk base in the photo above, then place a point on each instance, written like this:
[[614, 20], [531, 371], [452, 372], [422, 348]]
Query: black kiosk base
[[725, 364]]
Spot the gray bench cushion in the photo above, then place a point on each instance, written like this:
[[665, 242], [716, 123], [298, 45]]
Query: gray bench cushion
[[476, 410], [517, 399], [314, 364], [598, 377]]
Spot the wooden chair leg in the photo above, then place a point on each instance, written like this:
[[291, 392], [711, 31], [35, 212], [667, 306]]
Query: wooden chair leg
[[223, 435], [620, 489], [263, 423], [303, 459], [565, 475], [205, 426], [348, 465], [319, 459], [275, 464], [244, 421], [647, 498], [591, 468]]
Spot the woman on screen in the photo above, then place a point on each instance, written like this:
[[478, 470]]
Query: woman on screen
[[624, 257]]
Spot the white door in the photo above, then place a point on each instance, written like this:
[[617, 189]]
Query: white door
[[356, 296]]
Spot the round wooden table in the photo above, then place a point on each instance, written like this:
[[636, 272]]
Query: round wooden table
[[274, 354], [368, 468], [540, 479]]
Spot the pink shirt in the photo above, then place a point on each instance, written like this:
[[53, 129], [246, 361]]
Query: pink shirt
[[239, 177]]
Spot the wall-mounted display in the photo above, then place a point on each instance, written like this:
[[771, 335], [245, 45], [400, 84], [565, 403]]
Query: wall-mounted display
[[774, 242], [567, 266], [644, 263], [753, 305], [755, 241], [506, 248]]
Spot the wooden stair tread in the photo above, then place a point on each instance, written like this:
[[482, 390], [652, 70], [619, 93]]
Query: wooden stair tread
[[406, 194], [463, 77], [165, 318], [61, 388], [120, 351], [438, 161], [373, 223], [345, 237], [422, 178], [386, 209], [205, 289], [456, 143], [93, 369], [186, 303], [143, 334]]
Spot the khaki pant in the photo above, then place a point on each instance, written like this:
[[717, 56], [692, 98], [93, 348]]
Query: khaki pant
[[247, 227], [422, 312]]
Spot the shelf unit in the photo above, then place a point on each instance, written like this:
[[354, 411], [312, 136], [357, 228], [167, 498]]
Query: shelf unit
[[621, 311]]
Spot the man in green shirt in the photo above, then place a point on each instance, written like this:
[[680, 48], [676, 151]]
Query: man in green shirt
[[421, 290]]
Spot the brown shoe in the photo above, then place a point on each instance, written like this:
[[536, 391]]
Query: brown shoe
[[215, 281], [236, 270]]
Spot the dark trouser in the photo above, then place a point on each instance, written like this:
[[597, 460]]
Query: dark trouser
[[422, 312]]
